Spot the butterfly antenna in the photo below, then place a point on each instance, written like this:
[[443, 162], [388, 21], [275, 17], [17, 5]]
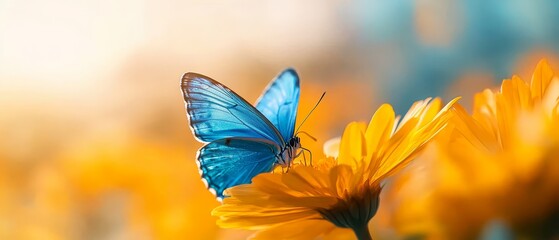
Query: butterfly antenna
[[319, 100], [308, 135]]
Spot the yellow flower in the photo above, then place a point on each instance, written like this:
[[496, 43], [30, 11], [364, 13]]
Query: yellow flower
[[158, 198], [335, 194], [499, 163]]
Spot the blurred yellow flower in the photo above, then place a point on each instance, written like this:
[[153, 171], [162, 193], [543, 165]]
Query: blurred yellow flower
[[311, 201], [497, 164], [138, 189]]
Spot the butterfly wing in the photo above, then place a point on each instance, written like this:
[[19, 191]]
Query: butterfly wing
[[232, 161], [279, 102], [216, 112]]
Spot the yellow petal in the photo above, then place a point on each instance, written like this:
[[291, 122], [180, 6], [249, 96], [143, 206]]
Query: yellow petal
[[430, 111], [414, 110], [340, 179], [352, 146], [256, 221], [411, 137], [306, 180], [470, 128], [306, 229], [551, 97], [540, 79], [505, 120], [380, 128], [270, 183], [517, 93], [386, 161], [340, 234]]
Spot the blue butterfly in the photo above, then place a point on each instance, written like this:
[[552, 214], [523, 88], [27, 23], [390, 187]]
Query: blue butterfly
[[241, 140]]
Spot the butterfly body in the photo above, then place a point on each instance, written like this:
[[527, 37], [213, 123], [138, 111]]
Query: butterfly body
[[289, 152], [241, 140]]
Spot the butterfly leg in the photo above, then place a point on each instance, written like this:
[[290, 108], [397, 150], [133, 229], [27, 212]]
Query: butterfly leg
[[285, 166], [310, 153], [304, 156]]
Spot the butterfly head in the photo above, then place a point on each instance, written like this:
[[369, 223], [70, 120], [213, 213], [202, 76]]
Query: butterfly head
[[295, 142]]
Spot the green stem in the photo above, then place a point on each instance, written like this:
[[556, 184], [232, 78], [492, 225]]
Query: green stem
[[362, 233]]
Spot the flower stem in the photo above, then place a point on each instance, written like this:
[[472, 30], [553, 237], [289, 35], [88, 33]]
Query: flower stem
[[362, 232]]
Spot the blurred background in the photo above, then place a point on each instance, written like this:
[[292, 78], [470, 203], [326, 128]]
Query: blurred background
[[95, 142]]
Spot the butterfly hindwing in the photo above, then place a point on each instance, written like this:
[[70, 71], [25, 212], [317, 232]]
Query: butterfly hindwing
[[232, 161], [279, 102], [216, 112]]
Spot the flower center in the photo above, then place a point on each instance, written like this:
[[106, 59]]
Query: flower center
[[354, 211]]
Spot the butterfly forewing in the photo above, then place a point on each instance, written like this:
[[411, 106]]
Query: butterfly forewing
[[216, 112], [279, 102]]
